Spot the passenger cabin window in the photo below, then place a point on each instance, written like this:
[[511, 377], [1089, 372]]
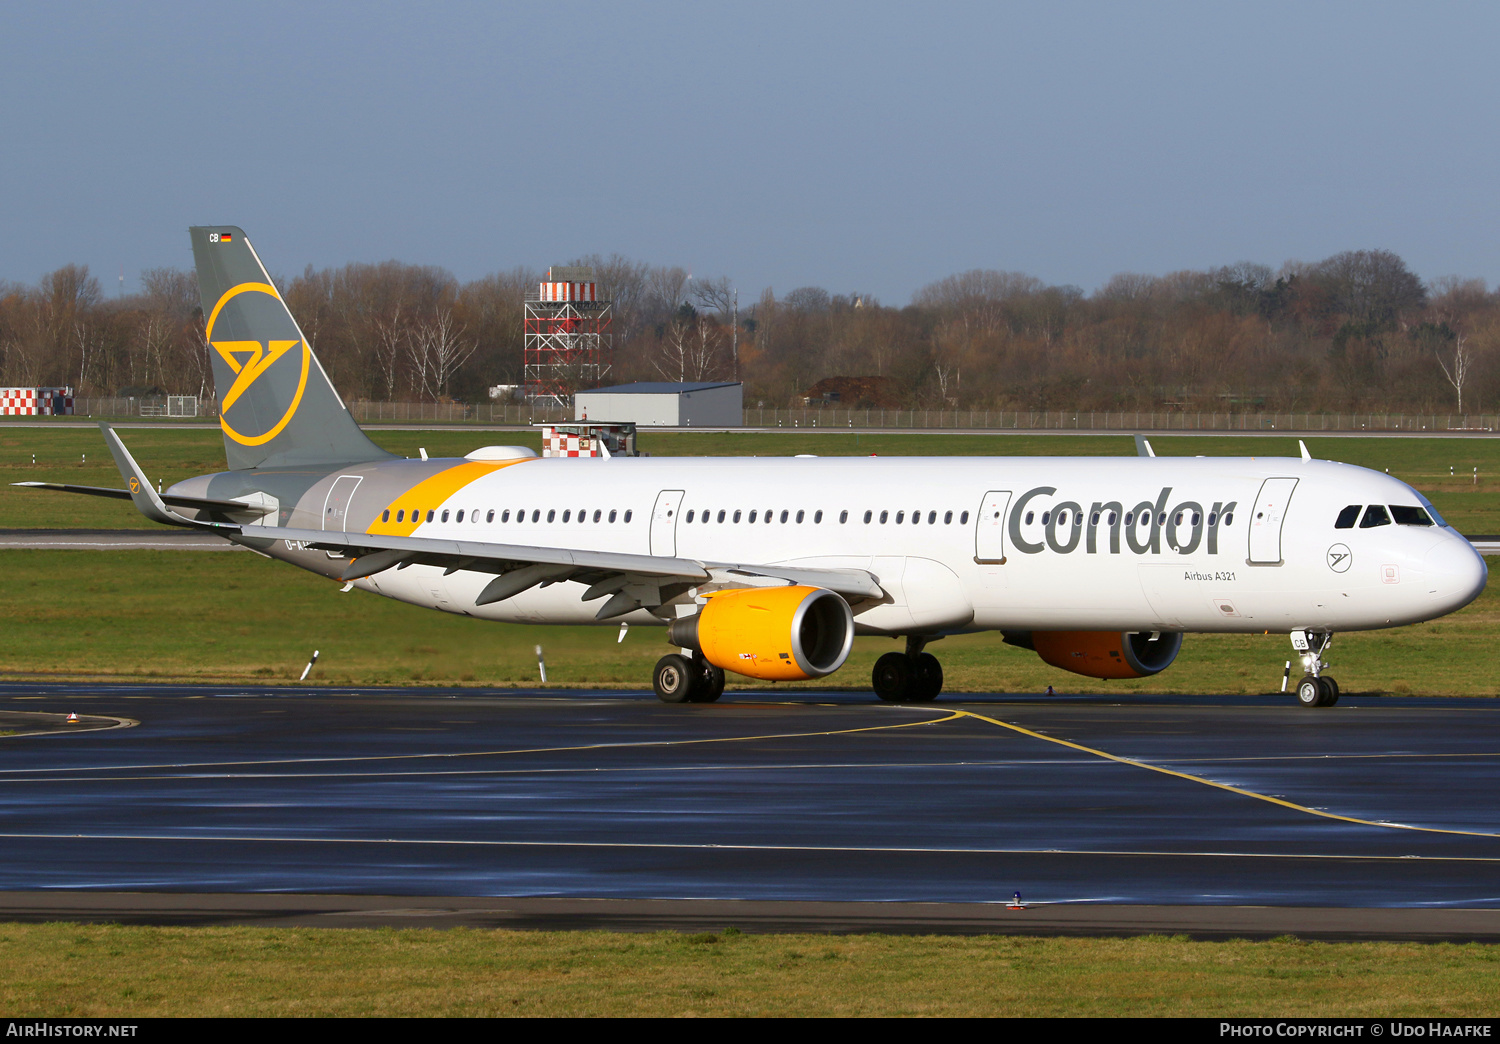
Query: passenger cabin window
[[429, 514], [1409, 516], [964, 518], [817, 517], [721, 515], [690, 516], [460, 516], [504, 516], [627, 514], [868, 516], [799, 518], [385, 516], [883, 516], [1348, 517], [736, 514], [947, 518], [611, 514], [1375, 515]]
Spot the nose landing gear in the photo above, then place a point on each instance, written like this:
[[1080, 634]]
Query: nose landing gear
[[1316, 689]]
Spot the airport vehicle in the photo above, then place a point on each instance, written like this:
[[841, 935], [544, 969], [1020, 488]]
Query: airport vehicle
[[768, 567]]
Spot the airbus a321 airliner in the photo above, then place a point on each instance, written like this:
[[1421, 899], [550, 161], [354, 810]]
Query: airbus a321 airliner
[[769, 567]]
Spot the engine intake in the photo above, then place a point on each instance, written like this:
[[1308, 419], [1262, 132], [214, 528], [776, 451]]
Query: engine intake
[[1108, 654], [773, 633]]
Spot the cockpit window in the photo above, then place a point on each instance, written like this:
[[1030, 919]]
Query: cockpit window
[[1348, 517], [1409, 516], [1375, 515]]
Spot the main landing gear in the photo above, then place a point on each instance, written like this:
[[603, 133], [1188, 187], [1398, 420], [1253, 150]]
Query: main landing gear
[[687, 679], [910, 677], [1316, 689]]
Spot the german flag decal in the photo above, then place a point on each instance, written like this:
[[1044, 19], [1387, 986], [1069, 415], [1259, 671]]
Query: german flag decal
[[219, 237]]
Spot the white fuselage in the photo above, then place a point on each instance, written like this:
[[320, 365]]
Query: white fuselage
[[976, 543]]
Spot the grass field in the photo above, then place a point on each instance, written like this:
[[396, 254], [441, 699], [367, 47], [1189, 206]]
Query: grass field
[[75, 970], [210, 616], [77, 455]]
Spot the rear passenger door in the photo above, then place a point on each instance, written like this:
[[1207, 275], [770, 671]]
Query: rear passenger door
[[664, 522]]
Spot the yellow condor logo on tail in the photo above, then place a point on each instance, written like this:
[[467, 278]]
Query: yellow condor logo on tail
[[249, 360]]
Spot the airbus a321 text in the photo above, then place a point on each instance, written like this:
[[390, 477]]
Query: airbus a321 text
[[769, 567]]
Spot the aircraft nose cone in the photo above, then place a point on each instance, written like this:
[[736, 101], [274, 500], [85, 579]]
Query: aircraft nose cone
[[1456, 573]]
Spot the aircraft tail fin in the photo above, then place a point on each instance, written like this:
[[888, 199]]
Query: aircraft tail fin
[[276, 405]]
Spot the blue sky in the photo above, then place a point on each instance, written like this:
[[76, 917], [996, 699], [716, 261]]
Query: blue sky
[[865, 148]]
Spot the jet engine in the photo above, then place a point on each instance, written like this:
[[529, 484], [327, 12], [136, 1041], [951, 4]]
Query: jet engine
[[1104, 654], [774, 633]]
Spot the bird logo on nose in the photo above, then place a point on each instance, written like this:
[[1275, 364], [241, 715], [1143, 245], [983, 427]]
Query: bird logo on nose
[[1339, 558]]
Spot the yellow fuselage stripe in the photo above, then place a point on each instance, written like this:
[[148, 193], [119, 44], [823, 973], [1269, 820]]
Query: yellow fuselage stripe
[[433, 493]]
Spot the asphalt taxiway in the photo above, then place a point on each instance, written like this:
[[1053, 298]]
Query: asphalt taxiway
[[819, 810]]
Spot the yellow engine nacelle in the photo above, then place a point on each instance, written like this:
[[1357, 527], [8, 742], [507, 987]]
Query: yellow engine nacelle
[[774, 633], [1108, 654]]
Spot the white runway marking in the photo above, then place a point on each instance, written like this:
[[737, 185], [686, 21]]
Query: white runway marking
[[279, 839]]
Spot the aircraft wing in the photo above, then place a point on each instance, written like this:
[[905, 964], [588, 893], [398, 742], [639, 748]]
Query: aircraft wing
[[633, 581]]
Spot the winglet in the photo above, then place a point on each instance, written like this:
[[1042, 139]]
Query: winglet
[[1143, 448], [1303, 447], [145, 498]]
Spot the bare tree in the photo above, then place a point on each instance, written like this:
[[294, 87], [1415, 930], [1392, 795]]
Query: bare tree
[[437, 346], [1458, 372], [666, 289], [692, 349], [715, 295], [1370, 286], [391, 335]]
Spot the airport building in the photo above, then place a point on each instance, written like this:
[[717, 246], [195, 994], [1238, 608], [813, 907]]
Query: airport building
[[665, 404]]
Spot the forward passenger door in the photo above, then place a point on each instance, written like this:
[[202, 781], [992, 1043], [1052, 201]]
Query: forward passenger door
[[1267, 518], [989, 532]]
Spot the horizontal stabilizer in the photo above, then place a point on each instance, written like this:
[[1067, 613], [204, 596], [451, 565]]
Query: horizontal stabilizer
[[228, 507]]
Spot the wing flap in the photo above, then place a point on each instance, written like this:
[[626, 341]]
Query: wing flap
[[606, 571]]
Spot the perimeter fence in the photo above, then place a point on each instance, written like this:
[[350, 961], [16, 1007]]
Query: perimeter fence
[[1129, 421]]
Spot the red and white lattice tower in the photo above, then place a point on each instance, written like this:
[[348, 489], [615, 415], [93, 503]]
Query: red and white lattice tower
[[568, 342]]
